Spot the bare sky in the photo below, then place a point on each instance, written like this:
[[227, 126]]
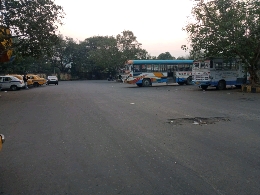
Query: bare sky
[[157, 24]]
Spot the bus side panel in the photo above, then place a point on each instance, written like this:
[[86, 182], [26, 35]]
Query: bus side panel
[[155, 77]]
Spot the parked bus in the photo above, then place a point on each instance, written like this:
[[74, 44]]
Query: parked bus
[[147, 72], [218, 72]]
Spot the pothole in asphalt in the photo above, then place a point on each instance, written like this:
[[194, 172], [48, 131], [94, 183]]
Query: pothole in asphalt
[[197, 120]]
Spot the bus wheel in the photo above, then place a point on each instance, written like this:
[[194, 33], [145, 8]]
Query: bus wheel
[[221, 85], [139, 84], [238, 86], [189, 81], [146, 82], [204, 87], [181, 83]]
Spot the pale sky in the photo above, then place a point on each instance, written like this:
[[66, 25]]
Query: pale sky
[[157, 24]]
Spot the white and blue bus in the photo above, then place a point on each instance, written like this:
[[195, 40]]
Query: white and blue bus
[[145, 73], [219, 72]]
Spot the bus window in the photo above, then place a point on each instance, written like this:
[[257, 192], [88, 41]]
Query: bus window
[[155, 68], [165, 68], [206, 64], [149, 68], [136, 68], [170, 68], [187, 67], [233, 66], [202, 65], [180, 68], [226, 66], [159, 69], [144, 69], [219, 66]]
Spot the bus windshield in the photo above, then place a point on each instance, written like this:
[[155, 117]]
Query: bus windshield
[[196, 65]]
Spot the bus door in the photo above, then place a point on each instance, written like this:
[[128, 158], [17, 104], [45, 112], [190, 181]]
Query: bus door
[[175, 69], [170, 74]]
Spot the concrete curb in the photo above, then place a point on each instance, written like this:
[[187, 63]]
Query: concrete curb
[[250, 89]]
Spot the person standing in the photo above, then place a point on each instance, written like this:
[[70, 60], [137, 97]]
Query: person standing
[[25, 81]]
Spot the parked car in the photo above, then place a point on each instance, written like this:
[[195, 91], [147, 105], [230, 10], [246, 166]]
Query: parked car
[[11, 82], [20, 77], [35, 80], [52, 80], [2, 140], [16, 75]]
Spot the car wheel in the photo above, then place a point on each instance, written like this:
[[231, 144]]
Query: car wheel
[[13, 87]]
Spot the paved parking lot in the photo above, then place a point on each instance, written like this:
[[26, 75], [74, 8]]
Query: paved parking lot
[[101, 137]]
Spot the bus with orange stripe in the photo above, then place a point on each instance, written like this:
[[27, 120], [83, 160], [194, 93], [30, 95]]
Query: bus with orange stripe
[[145, 73]]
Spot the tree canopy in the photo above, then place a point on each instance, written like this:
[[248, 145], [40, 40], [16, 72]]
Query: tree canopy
[[33, 24], [227, 28], [165, 56], [129, 47]]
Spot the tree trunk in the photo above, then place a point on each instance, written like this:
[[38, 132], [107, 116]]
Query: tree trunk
[[253, 77]]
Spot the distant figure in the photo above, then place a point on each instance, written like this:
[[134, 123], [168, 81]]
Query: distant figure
[[25, 81]]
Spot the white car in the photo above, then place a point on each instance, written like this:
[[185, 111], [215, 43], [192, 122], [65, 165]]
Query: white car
[[11, 82], [52, 80]]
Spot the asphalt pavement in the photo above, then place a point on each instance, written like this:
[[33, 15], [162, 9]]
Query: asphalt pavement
[[105, 137]]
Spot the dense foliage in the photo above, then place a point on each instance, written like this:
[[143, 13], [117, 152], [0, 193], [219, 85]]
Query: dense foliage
[[33, 24], [165, 56]]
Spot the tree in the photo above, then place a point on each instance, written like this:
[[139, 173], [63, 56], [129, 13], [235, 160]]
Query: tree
[[227, 28], [165, 56], [187, 57], [81, 63], [181, 58], [142, 54], [103, 53], [62, 53], [33, 25], [128, 46]]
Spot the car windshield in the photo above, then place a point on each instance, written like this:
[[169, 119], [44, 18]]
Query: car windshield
[[52, 77]]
